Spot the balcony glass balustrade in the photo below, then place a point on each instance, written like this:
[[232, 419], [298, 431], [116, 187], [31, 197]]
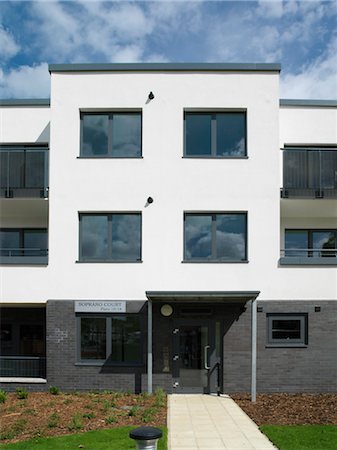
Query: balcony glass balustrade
[[23, 172], [309, 173]]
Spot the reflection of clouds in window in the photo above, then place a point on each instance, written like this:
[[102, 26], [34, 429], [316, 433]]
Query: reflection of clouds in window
[[230, 245], [126, 237], [231, 134], [95, 237], [95, 134], [198, 236], [126, 135]]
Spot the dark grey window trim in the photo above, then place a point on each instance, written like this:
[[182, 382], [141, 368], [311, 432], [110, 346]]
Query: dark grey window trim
[[213, 113], [107, 361], [31, 260], [111, 113], [108, 214], [216, 261], [25, 102], [302, 342]]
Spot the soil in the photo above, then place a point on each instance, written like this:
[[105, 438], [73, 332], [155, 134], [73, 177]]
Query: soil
[[44, 414], [286, 409]]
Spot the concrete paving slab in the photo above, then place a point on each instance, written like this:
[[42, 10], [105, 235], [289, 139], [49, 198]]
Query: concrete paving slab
[[208, 422]]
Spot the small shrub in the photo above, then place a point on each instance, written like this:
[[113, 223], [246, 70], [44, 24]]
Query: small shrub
[[160, 397], [30, 412], [89, 406], [53, 420], [67, 401], [21, 393], [111, 419], [54, 390], [107, 404], [89, 415], [134, 411], [3, 396], [148, 414], [76, 423]]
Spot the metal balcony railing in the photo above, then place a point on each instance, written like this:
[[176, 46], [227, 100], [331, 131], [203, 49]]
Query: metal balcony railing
[[23, 256], [310, 252], [23, 172], [309, 173], [23, 366]]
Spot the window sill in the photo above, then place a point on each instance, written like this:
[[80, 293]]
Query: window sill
[[301, 261], [88, 261], [24, 260], [213, 157], [25, 380], [105, 364], [202, 261], [109, 157]]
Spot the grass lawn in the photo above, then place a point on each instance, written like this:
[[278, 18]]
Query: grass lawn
[[114, 439], [302, 437]]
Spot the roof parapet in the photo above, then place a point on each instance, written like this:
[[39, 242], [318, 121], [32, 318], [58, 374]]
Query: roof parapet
[[309, 103], [25, 102]]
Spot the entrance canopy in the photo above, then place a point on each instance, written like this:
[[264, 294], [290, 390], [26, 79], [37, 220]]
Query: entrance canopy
[[203, 296]]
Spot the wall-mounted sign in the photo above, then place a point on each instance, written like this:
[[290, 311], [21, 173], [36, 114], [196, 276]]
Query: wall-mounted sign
[[100, 306]]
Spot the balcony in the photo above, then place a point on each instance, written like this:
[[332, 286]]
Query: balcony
[[23, 172], [22, 366], [309, 173], [23, 246], [309, 257], [26, 256]]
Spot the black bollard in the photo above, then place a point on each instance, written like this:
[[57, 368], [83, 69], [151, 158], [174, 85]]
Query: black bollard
[[146, 437]]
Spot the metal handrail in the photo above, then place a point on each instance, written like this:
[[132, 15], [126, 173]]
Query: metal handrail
[[320, 251], [11, 250]]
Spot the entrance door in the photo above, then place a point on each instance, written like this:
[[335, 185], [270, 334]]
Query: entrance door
[[194, 358]]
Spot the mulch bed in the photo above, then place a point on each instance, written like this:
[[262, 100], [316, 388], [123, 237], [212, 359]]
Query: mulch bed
[[44, 414], [287, 409]]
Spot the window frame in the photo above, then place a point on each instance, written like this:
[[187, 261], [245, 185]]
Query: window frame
[[309, 232], [110, 113], [213, 243], [108, 343], [109, 214], [213, 113], [302, 342], [22, 232]]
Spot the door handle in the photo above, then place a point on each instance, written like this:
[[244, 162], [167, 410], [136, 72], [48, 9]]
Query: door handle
[[207, 367]]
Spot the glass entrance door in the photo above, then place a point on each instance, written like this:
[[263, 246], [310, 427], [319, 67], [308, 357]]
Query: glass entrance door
[[193, 356]]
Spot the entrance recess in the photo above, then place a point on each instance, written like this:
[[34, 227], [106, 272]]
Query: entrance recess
[[194, 356]]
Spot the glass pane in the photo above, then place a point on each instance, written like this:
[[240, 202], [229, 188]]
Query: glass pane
[[295, 169], [286, 329], [3, 169], [296, 243], [94, 237], [35, 242], [95, 134], [231, 134], [16, 169], [328, 169], [34, 169], [192, 342], [325, 241], [125, 339], [93, 338], [10, 243], [126, 135], [32, 340], [198, 237], [198, 134], [231, 236], [126, 237]]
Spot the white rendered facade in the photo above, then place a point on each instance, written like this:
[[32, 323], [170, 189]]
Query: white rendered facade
[[176, 183]]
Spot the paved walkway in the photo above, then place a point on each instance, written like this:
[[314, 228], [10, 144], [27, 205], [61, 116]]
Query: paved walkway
[[207, 422]]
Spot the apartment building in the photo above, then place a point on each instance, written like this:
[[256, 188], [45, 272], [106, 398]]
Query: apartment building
[[169, 225]]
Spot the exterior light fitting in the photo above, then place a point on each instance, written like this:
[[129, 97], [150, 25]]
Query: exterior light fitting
[[151, 96]]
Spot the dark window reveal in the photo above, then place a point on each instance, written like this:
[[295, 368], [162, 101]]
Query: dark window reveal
[[287, 329]]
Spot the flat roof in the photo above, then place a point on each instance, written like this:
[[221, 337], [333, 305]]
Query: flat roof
[[313, 103], [166, 67], [25, 102], [222, 296]]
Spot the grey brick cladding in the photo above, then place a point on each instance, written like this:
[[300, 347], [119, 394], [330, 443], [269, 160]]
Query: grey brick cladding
[[309, 369]]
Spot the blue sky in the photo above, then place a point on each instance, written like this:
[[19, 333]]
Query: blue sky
[[301, 35]]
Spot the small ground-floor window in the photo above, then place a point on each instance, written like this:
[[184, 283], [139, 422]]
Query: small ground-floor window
[[115, 339], [287, 329]]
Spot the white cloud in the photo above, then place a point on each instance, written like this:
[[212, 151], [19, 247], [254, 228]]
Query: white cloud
[[315, 80], [25, 82], [8, 46]]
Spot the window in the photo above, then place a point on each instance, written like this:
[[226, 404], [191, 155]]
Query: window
[[215, 135], [215, 237], [23, 242], [112, 135], [311, 243], [110, 237], [116, 339], [287, 329]]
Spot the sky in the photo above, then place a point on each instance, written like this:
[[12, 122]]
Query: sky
[[301, 35]]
